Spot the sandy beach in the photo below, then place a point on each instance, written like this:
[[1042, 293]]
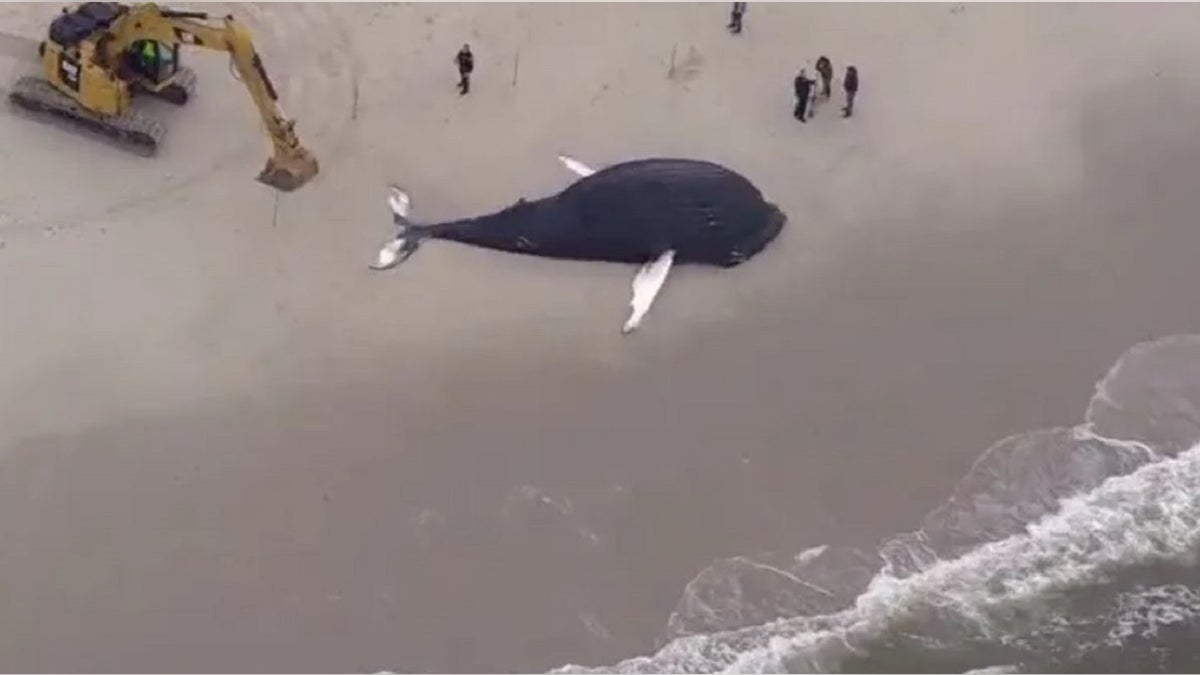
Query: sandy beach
[[227, 445]]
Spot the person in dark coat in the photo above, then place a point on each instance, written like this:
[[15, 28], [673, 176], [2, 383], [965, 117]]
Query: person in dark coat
[[735, 17], [466, 65], [825, 70], [850, 84], [803, 87]]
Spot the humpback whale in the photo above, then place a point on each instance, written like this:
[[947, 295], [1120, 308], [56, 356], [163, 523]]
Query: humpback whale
[[655, 213]]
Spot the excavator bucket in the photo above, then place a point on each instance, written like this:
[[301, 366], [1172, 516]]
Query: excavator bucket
[[289, 172]]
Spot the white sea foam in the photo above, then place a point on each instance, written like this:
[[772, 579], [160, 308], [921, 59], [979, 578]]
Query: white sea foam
[[1039, 514], [1142, 614], [1148, 516]]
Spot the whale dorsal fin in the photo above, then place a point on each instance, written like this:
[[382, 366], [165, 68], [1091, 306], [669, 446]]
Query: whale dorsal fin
[[646, 285], [577, 166]]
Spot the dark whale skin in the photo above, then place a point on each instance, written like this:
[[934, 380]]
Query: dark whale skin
[[631, 213]]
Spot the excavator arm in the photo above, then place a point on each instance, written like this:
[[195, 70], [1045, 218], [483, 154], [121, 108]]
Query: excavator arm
[[291, 164]]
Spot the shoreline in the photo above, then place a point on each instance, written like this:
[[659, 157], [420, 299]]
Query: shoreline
[[272, 458]]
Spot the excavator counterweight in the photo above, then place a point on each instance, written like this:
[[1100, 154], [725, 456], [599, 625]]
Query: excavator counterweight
[[99, 56]]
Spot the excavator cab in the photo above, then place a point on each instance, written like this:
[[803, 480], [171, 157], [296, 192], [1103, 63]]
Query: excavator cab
[[154, 61], [153, 67]]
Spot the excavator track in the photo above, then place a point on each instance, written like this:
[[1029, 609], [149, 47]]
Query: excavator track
[[133, 131], [185, 81]]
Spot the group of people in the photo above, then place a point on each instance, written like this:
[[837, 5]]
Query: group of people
[[803, 86], [806, 97]]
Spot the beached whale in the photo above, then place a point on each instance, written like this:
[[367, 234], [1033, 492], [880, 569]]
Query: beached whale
[[650, 212]]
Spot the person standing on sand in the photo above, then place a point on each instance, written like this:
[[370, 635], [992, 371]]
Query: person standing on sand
[[735, 17], [850, 84], [466, 65], [803, 88], [825, 70]]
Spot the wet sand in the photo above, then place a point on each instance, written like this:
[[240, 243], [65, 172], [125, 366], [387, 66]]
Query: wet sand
[[229, 446]]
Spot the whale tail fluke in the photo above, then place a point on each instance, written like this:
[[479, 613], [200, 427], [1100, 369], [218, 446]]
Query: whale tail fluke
[[408, 234]]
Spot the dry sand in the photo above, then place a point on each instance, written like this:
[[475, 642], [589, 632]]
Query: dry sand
[[229, 446]]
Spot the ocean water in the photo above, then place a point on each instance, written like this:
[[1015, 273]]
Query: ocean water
[[1062, 550]]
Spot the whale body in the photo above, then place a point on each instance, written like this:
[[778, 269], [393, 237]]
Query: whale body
[[652, 212]]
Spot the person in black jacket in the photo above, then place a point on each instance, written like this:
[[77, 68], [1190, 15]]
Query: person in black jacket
[[850, 84], [803, 88], [466, 65], [735, 17], [825, 70]]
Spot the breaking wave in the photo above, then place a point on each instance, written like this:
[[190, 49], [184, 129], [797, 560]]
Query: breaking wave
[[1060, 549]]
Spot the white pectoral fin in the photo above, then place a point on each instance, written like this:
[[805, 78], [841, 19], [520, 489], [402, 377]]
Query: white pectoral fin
[[646, 285], [577, 166]]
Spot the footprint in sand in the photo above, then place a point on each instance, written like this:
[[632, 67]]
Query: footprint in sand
[[687, 69]]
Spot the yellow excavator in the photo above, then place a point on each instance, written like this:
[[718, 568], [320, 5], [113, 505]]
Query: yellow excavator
[[99, 56]]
